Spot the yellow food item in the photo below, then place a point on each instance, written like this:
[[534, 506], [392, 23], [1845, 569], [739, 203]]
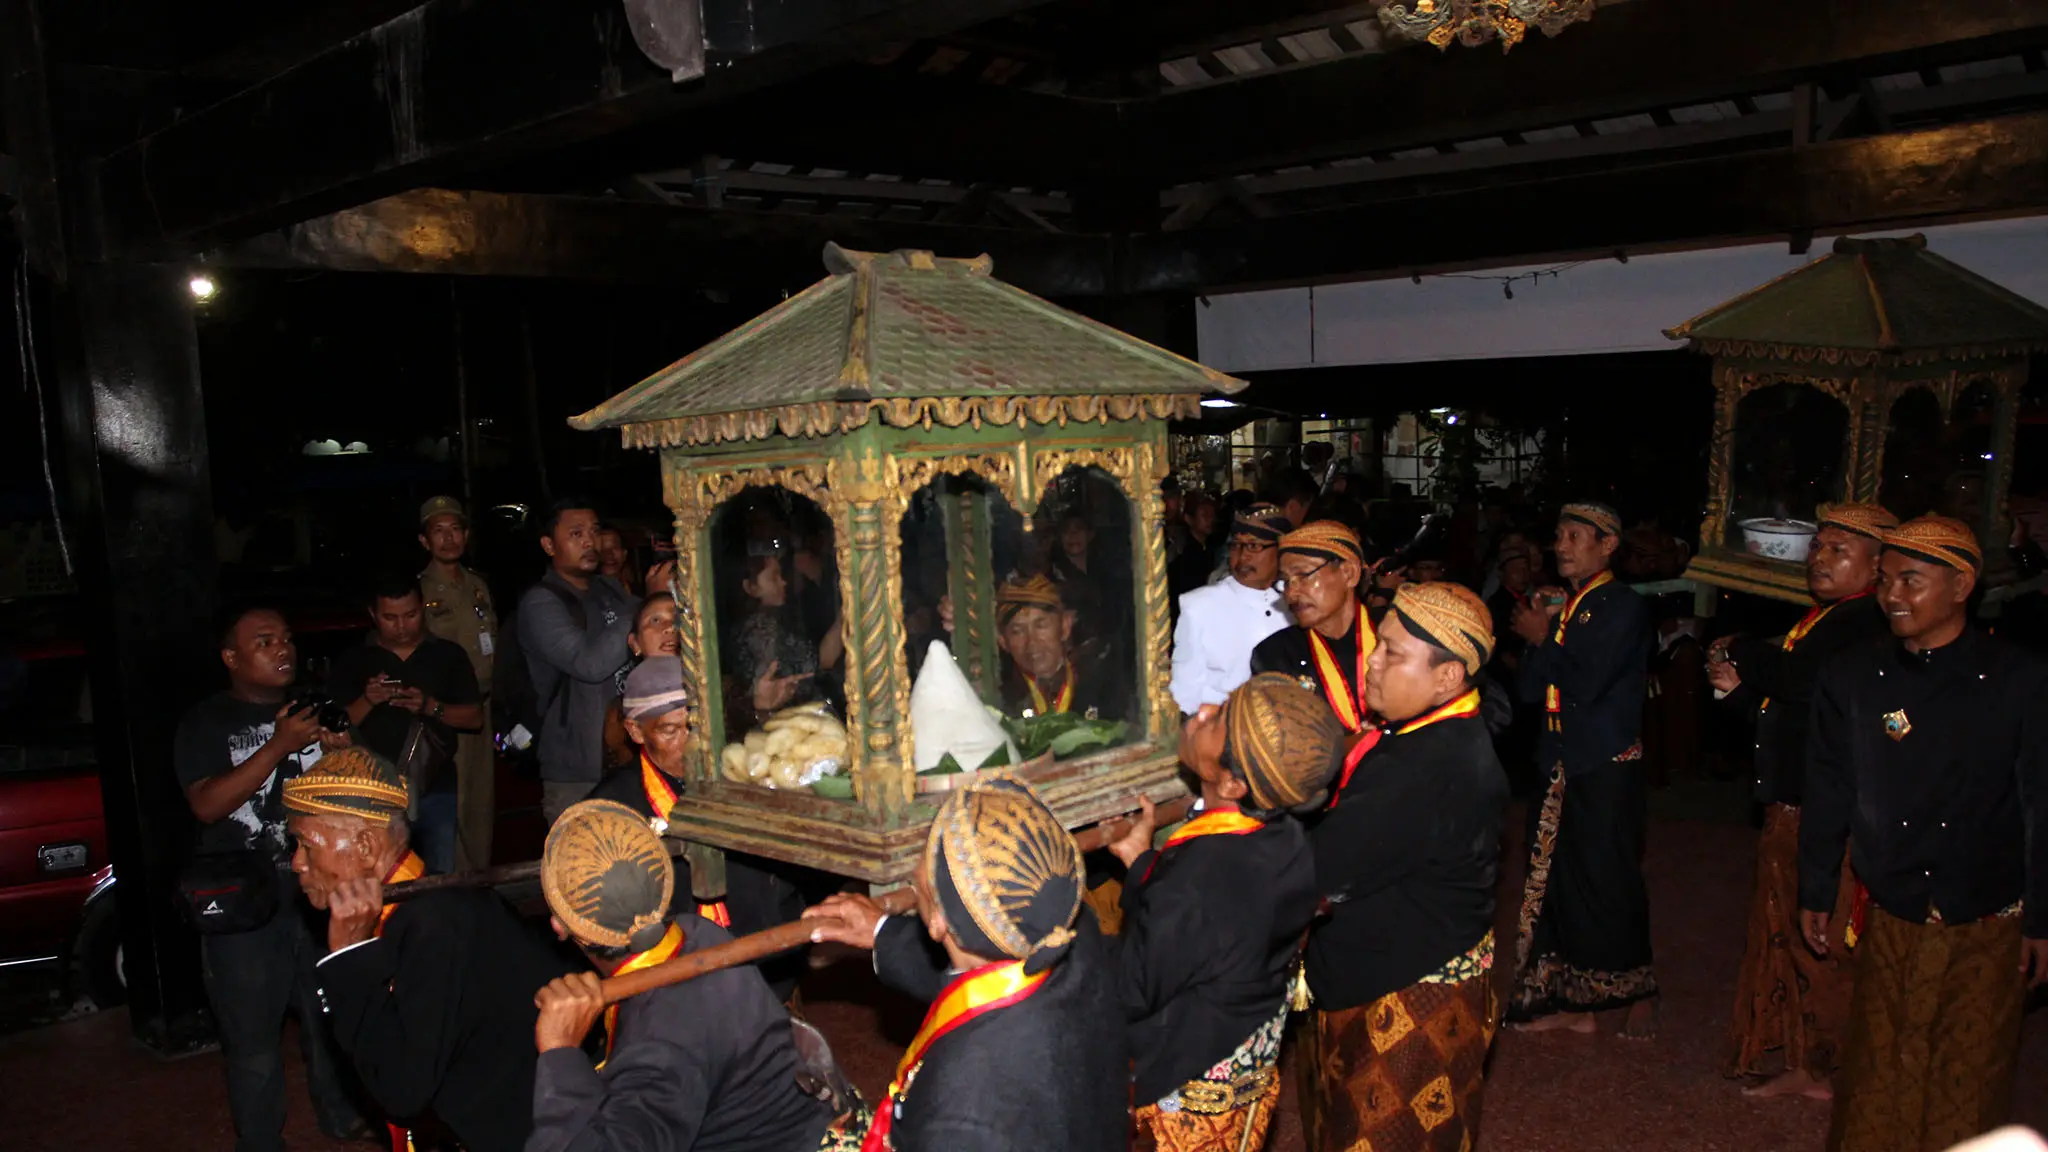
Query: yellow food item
[[732, 763]]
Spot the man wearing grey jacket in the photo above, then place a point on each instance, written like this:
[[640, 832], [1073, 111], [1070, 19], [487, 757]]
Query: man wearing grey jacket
[[573, 627]]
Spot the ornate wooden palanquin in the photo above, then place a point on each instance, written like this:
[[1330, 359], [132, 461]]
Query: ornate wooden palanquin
[[894, 370], [1866, 326]]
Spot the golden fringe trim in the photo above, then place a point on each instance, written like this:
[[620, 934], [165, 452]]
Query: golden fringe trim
[[829, 417]]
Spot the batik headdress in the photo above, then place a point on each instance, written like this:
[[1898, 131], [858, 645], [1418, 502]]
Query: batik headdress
[[1021, 592], [1261, 522], [607, 877], [351, 781], [1450, 616], [1600, 517], [1869, 520], [1324, 538], [1006, 872], [1283, 741], [1939, 539]]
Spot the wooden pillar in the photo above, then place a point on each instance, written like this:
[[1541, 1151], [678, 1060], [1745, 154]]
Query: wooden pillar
[[697, 614], [867, 505]]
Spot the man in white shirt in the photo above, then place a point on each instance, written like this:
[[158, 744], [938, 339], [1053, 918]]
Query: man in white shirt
[[1221, 623]]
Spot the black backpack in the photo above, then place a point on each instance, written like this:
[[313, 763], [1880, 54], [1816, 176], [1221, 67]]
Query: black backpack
[[515, 698]]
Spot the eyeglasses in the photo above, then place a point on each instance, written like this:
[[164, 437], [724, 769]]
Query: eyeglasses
[[1255, 547], [1304, 578]]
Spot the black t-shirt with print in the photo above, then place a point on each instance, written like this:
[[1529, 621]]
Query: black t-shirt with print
[[219, 733]]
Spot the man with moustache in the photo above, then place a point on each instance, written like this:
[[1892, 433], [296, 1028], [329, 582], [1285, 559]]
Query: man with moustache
[[459, 608], [1583, 944], [1929, 756], [1395, 1056], [573, 627], [233, 754], [1787, 999], [1321, 563], [1221, 623]]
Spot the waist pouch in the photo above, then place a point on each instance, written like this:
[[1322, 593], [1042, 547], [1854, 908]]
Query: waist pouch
[[228, 892]]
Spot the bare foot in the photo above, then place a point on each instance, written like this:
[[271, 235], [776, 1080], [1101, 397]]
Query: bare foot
[[1641, 1021], [1580, 1022], [1797, 1082]]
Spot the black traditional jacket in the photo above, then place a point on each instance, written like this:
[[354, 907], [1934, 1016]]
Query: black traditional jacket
[[1934, 767], [1211, 927], [1602, 676], [437, 1013], [1777, 686], [1408, 859], [708, 1065], [1049, 1072]]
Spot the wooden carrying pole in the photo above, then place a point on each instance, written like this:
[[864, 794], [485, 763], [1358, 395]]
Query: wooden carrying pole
[[760, 945]]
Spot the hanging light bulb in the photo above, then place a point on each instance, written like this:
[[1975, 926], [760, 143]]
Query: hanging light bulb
[[202, 287]]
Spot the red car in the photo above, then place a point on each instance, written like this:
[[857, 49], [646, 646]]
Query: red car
[[56, 886]]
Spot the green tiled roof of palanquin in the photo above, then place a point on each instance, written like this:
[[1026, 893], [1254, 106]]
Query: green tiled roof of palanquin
[[904, 324], [1874, 298]]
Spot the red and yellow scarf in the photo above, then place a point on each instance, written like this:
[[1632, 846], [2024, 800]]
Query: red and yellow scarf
[[1062, 701], [1553, 703], [1222, 822], [971, 996], [1346, 695], [665, 949], [661, 800]]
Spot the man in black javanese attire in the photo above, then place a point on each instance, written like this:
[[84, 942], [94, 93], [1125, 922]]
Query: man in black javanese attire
[[1213, 919], [1584, 936], [1787, 999], [709, 1064], [1929, 757], [1023, 1048], [433, 997], [1407, 858]]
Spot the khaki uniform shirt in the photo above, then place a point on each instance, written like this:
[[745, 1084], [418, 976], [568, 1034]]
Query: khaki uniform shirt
[[461, 610]]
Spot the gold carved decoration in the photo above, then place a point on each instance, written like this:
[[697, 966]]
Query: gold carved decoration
[[1855, 357], [830, 417], [998, 468], [1048, 465], [1142, 487]]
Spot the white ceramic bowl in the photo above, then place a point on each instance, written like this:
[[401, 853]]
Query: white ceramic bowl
[[1787, 540]]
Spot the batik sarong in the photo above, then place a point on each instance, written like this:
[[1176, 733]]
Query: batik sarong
[[1405, 1072], [1228, 1110], [1787, 999], [1934, 1031], [1584, 934]]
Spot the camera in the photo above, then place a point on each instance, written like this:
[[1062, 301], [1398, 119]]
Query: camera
[[325, 708]]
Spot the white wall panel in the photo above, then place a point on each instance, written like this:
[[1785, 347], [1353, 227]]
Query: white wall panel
[[1598, 306]]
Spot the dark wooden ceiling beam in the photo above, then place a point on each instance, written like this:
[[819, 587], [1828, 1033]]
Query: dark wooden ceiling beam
[[455, 84], [1983, 168], [868, 120], [573, 238], [1662, 53]]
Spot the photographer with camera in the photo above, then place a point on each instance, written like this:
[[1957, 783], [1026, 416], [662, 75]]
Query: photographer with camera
[[233, 753], [408, 692]]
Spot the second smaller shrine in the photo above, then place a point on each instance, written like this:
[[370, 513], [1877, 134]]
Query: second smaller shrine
[[1881, 371]]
